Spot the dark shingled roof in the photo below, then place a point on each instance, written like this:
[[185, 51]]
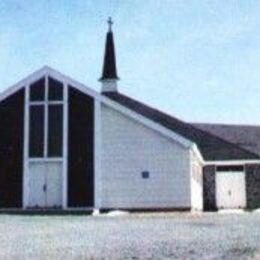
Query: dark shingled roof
[[211, 146], [109, 66], [244, 136]]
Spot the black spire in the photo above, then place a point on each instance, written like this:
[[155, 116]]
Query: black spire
[[109, 65]]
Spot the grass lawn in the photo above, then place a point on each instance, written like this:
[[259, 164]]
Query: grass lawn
[[132, 236]]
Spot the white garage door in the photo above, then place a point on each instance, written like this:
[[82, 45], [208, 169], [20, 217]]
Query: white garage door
[[230, 189]]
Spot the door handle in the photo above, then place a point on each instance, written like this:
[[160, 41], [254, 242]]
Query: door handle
[[44, 187]]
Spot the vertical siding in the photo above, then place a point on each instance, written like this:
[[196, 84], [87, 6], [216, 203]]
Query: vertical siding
[[80, 150], [196, 183], [128, 148], [11, 150]]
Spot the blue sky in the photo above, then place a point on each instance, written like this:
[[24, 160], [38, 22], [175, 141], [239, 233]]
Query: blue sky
[[198, 60]]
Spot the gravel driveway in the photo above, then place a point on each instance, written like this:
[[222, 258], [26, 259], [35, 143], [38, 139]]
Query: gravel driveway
[[133, 236]]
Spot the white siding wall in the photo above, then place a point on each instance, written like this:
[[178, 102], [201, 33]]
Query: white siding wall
[[196, 183], [128, 148]]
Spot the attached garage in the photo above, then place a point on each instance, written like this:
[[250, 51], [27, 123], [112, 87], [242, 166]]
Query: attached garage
[[234, 186]]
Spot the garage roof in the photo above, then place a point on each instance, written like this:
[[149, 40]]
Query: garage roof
[[246, 136]]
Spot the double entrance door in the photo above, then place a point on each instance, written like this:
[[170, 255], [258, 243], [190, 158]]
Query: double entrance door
[[45, 184]]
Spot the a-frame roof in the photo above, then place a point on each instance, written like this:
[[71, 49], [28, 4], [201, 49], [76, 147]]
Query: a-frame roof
[[212, 148], [47, 71]]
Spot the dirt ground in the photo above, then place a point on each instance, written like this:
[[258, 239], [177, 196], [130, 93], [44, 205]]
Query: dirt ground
[[131, 236]]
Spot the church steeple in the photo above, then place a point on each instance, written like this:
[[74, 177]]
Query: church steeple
[[109, 75]]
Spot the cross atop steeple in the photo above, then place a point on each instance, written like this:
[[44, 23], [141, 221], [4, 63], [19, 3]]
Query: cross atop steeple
[[110, 23], [109, 76]]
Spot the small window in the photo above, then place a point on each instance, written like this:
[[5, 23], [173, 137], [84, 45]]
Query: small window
[[55, 90], [145, 174], [37, 90]]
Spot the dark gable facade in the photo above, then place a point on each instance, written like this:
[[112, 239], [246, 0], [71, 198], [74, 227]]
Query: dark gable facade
[[46, 132]]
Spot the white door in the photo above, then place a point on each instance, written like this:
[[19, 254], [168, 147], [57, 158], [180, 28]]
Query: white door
[[230, 190], [45, 184], [36, 185], [53, 184]]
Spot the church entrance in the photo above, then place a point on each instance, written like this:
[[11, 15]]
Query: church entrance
[[45, 185], [45, 106]]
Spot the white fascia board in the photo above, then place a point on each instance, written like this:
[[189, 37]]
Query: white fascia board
[[197, 152], [22, 83], [47, 71], [232, 162], [147, 122], [73, 83]]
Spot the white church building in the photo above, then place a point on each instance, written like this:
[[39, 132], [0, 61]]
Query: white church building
[[65, 146]]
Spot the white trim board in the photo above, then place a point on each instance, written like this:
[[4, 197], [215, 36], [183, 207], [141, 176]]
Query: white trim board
[[97, 155], [148, 122], [47, 71], [231, 162], [197, 152], [26, 149], [65, 148], [153, 125]]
